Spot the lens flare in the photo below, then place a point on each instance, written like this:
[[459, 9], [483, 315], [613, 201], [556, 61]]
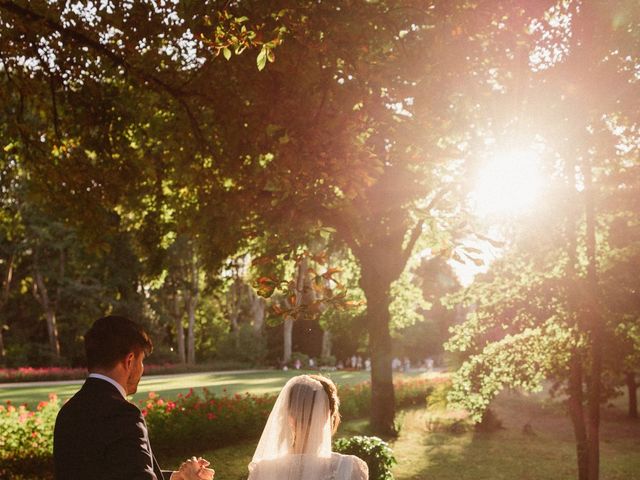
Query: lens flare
[[508, 185]]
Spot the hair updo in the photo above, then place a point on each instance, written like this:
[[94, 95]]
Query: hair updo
[[334, 402]]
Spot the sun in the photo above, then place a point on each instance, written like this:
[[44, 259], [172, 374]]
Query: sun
[[509, 184]]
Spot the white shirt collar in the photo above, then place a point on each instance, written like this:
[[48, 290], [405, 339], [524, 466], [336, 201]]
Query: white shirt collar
[[111, 381]]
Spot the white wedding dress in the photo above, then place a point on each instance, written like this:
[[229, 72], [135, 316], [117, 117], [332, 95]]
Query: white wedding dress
[[296, 442]]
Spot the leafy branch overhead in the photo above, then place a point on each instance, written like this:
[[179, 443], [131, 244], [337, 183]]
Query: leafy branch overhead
[[233, 35], [308, 294]]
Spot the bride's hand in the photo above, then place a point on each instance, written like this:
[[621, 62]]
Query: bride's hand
[[205, 473], [195, 469]]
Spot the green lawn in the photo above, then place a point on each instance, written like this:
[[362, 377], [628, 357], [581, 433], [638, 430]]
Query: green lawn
[[426, 451], [170, 385], [426, 448]]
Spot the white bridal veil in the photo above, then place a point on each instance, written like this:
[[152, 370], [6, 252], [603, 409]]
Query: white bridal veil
[[296, 441]]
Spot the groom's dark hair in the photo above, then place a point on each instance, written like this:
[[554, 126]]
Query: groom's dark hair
[[112, 338]]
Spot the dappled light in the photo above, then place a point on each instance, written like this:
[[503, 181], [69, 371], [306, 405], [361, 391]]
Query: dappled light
[[431, 203]]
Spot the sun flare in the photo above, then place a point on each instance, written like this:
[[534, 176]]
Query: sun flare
[[509, 184]]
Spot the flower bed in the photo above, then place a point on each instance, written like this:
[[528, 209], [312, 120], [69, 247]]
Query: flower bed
[[192, 422], [196, 421], [34, 374]]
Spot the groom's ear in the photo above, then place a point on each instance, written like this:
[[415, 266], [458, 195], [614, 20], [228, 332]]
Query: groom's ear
[[128, 360]]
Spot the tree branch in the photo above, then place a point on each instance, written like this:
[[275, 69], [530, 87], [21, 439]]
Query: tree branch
[[417, 230], [84, 39]]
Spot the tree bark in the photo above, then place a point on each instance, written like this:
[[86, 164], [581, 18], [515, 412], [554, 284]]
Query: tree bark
[[288, 338], [258, 306], [192, 303], [177, 318], [4, 298], [42, 296], [632, 387], [576, 411], [301, 273], [595, 329], [326, 344], [375, 280], [382, 394]]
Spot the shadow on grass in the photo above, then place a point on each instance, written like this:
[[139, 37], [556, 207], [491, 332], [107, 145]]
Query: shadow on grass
[[510, 454]]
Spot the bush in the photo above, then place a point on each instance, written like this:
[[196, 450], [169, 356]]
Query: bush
[[374, 451], [437, 396], [26, 439], [328, 361], [194, 421], [304, 360]]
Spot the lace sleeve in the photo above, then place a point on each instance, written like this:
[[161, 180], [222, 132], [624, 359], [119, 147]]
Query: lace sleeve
[[360, 470]]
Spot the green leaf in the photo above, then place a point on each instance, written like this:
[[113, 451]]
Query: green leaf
[[262, 59], [271, 56], [227, 53]]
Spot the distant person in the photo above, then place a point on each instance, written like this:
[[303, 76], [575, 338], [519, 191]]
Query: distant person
[[407, 364], [396, 364], [296, 441], [429, 364], [367, 365], [99, 434]]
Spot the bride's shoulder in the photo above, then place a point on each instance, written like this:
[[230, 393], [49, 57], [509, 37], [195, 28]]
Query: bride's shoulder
[[357, 462]]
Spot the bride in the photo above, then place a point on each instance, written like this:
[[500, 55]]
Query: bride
[[296, 442]]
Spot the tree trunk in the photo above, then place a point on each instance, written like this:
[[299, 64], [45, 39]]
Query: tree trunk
[[192, 303], [382, 394], [4, 298], [326, 344], [42, 296], [576, 411], [376, 289], [288, 338], [3, 354], [301, 273], [595, 329], [233, 298], [177, 317], [258, 306], [632, 387]]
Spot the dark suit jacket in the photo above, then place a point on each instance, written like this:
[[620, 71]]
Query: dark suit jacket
[[100, 435]]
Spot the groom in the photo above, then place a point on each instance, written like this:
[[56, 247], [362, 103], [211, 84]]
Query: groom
[[99, 434]]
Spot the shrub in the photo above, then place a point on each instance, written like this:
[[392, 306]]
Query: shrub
[[26, 439], [194, 421], [437, 396], [303, 357], [374, 451]]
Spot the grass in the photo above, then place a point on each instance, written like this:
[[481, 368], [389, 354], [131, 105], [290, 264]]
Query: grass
[[169, 386], [426, 449]]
